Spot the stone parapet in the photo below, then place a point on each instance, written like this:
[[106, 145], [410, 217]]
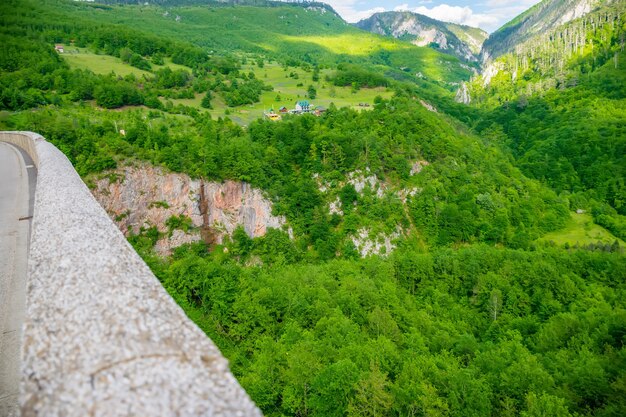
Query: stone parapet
[[101, 335]]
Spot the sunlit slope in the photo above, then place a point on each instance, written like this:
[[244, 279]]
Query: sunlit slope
[[303, 34], [539, 19], [582, 231], [463, 42]]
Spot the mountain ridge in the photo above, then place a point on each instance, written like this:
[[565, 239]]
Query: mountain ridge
[[461, 41], [540, 18]]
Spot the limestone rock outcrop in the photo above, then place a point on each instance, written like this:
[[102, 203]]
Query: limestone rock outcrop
[[461, 41], [147, 196]]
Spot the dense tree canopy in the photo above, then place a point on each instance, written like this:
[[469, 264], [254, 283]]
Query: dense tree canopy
[[469, 313]]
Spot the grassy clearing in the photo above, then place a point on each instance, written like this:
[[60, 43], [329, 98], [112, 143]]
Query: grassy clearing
[[282, 32], [83, 58], [287, 92], [173, 66], [353, 44], [290, 85], [581, 230]]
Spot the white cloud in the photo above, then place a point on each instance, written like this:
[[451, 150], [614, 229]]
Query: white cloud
[[360, 15], [509, 3], [348, 10], [454, 14], [492, 13]]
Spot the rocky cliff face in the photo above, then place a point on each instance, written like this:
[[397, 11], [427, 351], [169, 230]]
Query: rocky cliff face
[[543, 17], [146, 196], [461, 41]]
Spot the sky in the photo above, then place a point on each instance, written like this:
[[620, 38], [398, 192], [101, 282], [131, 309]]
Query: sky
[[485, 14]]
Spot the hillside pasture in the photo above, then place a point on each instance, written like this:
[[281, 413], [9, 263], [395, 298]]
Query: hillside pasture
[[84, 58], [581, 230], [287, 91]]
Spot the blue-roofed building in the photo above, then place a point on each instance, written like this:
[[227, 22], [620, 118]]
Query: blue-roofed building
[[303, 106]]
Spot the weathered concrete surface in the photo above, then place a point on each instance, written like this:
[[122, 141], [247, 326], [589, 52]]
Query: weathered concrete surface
[[101, 335], [16, 192]]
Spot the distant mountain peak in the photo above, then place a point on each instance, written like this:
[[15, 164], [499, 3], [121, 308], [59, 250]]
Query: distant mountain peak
[[540, 18], [462, 41]]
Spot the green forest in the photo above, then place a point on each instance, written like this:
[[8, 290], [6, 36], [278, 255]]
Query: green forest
[[493, 302]]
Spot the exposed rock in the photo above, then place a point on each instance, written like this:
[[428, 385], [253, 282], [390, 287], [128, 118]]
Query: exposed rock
[[463, 95], [491, 71], [462, 41], [335, 207], [418, 166], [165, 245], [578, 10], [236, 203], [380, 245], [322, 185], [148, 196], [540, 19], [428, 106], [360, 180], [406, 193]]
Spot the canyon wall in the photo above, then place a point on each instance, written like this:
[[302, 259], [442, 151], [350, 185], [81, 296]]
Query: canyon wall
[[146, 196]]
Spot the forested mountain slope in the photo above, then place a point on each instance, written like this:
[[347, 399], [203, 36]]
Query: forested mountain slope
[[462, 41], [307, 32], [558, 103], [410, 274], [574, 138], [539, 19], [560, 54], [385, 143]]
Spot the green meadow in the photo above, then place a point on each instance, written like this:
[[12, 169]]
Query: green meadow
[[581, 230], [290, 85], [283, 32], [82, 58]]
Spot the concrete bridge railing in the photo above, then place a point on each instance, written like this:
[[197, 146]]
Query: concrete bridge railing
[[101, 337]]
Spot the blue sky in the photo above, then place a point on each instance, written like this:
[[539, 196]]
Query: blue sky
[[486, 14]]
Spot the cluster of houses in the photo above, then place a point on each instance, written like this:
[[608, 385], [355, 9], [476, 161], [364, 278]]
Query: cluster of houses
[[302, 106]]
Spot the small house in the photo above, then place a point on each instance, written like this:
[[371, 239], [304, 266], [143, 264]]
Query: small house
[[283, 110], [303, 106], [319, 110], [273, 116], [58, 48]]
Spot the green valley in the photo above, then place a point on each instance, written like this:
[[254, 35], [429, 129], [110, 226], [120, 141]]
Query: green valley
[[441, 243]]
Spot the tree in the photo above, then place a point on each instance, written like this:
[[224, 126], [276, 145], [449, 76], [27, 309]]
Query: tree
[[242, 244], [348, 197], [333, 387], [545, 405], [316, 74], [126, 54], [495, 303], [372, 395], [311, 92], [206, 100]]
